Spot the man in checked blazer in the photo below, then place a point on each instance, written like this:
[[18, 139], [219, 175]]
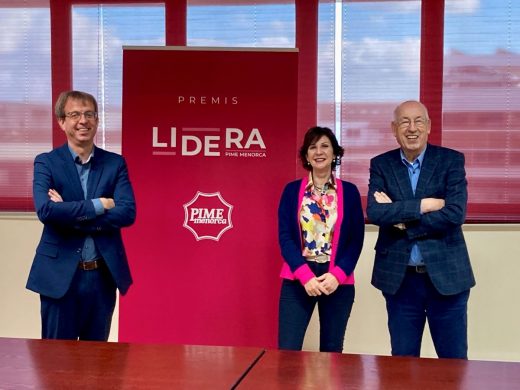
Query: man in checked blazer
[[83, 197], [417, 196]]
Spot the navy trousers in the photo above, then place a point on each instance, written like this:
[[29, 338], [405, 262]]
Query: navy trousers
[[296, 308], [85, 311], [416, 301]]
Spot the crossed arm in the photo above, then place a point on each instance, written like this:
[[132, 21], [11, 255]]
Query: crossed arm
[[419, 217], [427, 205], [53, 207], [54, 196]]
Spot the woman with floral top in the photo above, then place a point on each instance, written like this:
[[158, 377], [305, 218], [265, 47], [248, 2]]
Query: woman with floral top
[[321, 230]]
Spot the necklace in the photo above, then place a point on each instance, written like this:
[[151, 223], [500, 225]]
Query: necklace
[[321, 190]]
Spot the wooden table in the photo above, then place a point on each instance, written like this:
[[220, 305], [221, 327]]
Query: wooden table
[[312, 370], [57, 364]]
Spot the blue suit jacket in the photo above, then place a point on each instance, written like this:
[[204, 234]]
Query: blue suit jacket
[[438, 234], [67, 223]]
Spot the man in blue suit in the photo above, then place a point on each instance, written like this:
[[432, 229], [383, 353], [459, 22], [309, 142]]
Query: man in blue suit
[[83, 197], [417, 196]]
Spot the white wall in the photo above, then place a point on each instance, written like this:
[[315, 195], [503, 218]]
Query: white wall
[[494, 309], [20, 308]]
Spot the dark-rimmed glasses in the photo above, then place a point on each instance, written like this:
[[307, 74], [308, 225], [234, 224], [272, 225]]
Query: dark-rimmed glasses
[[76, 115]]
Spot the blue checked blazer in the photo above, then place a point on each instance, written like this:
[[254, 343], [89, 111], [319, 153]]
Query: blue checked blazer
[[438, 234], [67, 223]]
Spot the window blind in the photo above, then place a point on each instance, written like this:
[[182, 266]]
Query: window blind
[[25, 99]]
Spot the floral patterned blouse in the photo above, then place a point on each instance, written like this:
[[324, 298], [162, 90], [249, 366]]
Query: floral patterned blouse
[[318, 215]]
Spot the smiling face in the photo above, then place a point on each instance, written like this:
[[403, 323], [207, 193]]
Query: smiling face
[[320, 154], [81, 131], [411, 127]]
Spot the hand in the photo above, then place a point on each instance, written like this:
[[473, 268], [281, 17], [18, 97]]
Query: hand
[[107, 203], [314, 288], [328, 282], [381, 197], [431, 204], [54, 196]]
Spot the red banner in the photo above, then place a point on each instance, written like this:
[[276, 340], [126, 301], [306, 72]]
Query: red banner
[[209, 137]]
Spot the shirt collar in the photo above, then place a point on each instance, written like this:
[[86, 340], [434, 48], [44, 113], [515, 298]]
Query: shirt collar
[[76, 158], [331, 183], [418, 160]]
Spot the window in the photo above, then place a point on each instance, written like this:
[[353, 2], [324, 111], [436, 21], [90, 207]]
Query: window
[[251, 24], [25, 99], [368, 62], [481, 102], [99, 33]]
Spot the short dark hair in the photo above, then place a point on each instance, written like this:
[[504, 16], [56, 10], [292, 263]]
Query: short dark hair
[[59, 108], [312, 136]]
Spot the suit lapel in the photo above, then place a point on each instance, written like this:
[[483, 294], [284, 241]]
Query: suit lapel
[[431, 159], [401, 175], [71, 172], [96, 169]]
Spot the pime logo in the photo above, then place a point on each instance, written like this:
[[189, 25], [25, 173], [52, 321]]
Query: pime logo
[[209, 142], [207, 216]]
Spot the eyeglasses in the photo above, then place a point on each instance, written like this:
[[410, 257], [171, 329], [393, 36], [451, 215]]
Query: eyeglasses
[[419, 123], [76, 115]]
